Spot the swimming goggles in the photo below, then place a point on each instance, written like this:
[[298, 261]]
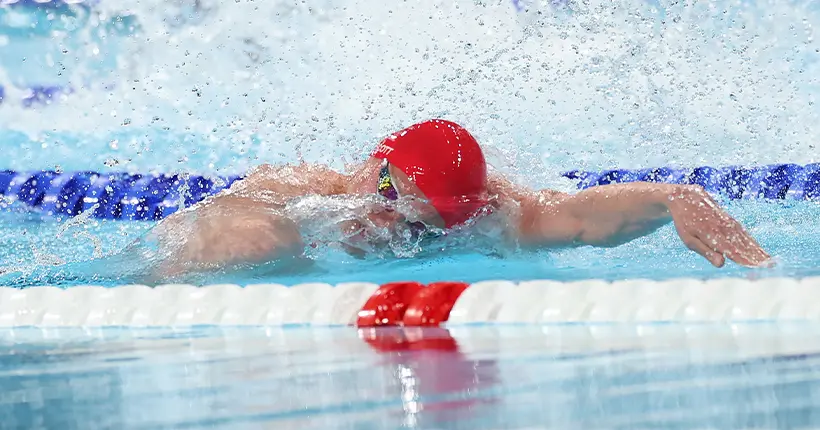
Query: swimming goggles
[[388, 190]]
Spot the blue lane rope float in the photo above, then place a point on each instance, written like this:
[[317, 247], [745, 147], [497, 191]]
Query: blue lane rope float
[[120, 196], [50, 4], [37, 95], [778, 181], [135, 196]]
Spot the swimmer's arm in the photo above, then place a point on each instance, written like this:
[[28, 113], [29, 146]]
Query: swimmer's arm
[[228, 233], [278, 184], [608, 215]]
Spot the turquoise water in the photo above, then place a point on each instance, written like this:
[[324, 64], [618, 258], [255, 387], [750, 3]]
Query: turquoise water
[[584, 85], [218, 86], [763, 376], [38, 251]]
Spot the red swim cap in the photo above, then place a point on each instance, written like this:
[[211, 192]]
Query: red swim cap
[[445, 162]]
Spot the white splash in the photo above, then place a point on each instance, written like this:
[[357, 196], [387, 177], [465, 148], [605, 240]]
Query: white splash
[[591, 84]]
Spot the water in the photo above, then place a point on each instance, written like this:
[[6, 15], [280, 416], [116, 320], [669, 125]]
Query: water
[[41, 252], [217, 87], [545, 89], [763, 376], [211, 85]]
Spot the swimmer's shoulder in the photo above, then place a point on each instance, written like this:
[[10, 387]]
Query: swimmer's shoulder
[[502, 188], [295, 179], [504, 192]]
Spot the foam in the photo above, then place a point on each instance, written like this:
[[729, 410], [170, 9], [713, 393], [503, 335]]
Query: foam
[[600, 84]]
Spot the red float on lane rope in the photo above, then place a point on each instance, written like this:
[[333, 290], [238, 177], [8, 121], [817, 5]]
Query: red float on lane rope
[[386, 307], [432, 305]]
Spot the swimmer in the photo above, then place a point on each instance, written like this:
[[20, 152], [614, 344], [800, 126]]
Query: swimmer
[[440, 169]]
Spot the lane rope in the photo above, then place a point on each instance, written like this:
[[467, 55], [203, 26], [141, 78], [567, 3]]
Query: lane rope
[[154, 196], [410, 304]]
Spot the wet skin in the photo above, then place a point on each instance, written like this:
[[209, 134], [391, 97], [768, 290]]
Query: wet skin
[[242, 225]]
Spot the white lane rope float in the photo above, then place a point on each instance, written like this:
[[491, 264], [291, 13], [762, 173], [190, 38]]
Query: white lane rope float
[[411, 304]]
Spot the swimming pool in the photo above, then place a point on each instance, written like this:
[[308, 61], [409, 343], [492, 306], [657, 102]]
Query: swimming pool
[[37, 252], [497, 377], [200, 87]]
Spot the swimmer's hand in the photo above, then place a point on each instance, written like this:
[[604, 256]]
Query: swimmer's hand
[[708, 230]]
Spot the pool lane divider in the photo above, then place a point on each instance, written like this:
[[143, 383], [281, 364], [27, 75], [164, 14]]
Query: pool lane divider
[[369, 306], [47, 4], [39, 95], [770, 182], [154, 196], [410, 304], [113, 195]]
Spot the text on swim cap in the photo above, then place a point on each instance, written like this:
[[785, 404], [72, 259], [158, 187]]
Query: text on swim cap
[[386, 150]]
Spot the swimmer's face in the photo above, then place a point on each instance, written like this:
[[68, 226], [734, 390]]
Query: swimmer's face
[[356, 232], [405, 187]]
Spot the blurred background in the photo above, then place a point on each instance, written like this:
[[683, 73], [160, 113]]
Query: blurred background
[[547, 86]]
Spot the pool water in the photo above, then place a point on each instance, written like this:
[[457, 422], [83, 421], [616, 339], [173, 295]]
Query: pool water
[[149, 93], [217, 87], [487, 377], [39, 251]]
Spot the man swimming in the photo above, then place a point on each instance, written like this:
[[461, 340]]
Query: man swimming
[[429, 179]]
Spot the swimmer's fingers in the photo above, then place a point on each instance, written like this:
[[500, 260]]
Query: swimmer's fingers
[[731, 240], [749, 252], [711, 232], [695, 244]]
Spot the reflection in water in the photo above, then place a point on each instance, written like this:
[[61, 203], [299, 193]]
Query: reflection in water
[[757, 376], [438, 382]]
